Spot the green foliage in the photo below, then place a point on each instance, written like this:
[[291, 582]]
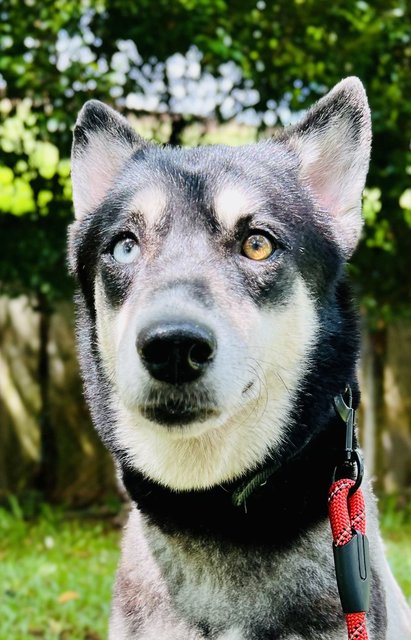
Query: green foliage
[[59, 53]]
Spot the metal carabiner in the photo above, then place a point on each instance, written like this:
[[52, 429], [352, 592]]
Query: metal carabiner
[[351, 455]]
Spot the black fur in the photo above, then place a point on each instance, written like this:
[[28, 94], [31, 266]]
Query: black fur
[[277, 514], [96, 118], [303, 243], [282, 514], [313, 449]]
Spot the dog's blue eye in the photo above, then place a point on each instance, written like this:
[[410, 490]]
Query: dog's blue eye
[[126, 251]]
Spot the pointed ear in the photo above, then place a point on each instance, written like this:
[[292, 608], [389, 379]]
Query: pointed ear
[[102, 142], [333, 145]]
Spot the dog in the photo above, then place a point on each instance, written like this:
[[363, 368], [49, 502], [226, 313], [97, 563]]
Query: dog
[[215, 329]]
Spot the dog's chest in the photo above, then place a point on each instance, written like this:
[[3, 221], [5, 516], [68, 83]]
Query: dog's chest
[[235, 592]]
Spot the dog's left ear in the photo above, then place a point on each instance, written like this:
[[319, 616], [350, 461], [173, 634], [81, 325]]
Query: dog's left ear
[[103, 141], [333, 145]]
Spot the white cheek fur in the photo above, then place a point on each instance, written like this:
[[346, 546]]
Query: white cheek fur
[[274, 348]]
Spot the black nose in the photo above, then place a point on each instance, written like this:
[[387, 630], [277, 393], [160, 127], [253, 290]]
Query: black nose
[[175, 351]]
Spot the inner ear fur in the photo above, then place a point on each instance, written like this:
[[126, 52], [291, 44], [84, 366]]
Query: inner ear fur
[[333, 143], [103, 141]]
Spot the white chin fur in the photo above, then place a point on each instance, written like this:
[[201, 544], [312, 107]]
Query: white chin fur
[[218, 450]]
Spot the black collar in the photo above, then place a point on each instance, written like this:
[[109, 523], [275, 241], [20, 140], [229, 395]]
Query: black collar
[[245, 510]]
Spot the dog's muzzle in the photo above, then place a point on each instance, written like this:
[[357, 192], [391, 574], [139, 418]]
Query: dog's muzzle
[[176, 352]]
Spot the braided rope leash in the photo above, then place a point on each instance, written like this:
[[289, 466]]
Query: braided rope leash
[[347, 518], [346, 510]]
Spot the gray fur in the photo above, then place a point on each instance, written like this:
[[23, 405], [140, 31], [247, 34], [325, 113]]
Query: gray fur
[[228, 587], [276, 324]]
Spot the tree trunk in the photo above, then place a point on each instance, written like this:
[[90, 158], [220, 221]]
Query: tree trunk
[[378, 349], [397, 397], [47, 473], [371, 417], [367, 418], [178, 124]]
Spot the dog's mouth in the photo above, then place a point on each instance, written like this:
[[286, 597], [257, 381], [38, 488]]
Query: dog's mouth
[[179, 409], [176, 415], [174, 407]]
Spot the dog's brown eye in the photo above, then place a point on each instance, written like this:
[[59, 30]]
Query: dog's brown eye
[[257, 247]]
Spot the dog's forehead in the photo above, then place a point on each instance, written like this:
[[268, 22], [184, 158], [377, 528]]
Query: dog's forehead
[[229, 181]]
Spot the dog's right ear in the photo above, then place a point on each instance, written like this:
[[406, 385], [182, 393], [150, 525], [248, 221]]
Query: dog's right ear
[[103, 141]]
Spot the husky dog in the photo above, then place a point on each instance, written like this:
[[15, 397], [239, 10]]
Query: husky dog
[[215, 327]]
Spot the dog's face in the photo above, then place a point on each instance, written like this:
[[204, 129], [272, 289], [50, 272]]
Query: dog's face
[[204, 272]]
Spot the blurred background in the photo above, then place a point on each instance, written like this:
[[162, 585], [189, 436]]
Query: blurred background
[[185, 72]]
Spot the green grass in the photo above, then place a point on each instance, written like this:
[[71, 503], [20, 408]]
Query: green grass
[[56, 576], [57, 571], [396, 531]]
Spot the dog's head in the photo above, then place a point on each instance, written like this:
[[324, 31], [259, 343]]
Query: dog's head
[[203, 273]]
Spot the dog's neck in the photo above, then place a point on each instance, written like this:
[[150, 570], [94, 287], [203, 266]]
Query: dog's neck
[[294, 495], [272, 505]]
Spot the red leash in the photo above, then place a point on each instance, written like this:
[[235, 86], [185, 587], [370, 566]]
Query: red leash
[[347, 518], [347, 513]]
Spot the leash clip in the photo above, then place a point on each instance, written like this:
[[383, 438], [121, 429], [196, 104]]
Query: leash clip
[[351, 455]]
